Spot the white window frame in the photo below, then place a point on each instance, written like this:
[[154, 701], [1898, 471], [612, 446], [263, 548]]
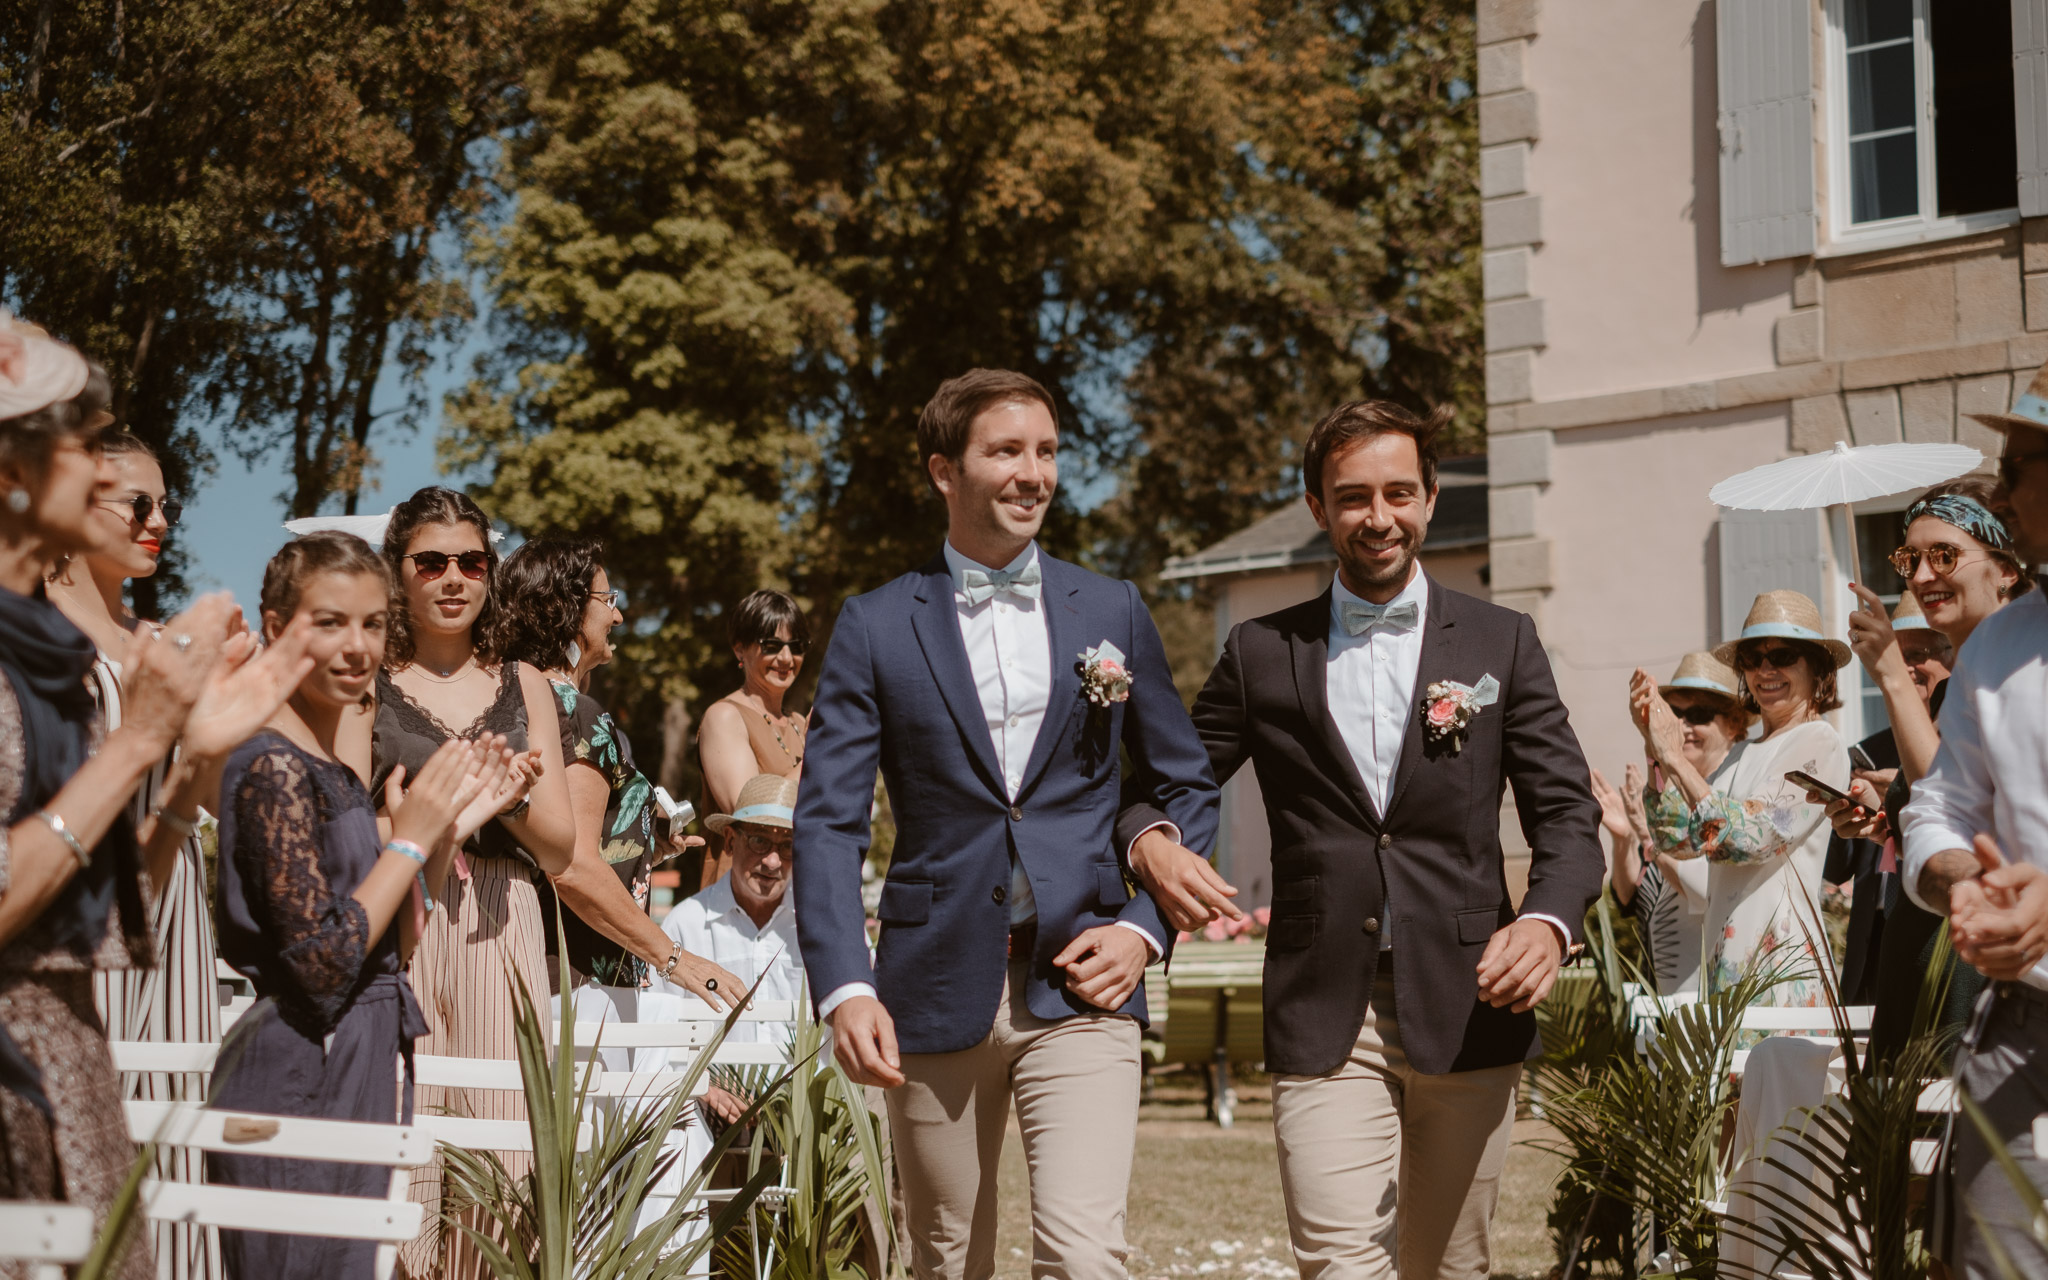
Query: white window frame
[[1843, 236]]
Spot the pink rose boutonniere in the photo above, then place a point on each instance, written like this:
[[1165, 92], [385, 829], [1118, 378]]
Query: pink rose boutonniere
[[1104, 677], [1448, 708]]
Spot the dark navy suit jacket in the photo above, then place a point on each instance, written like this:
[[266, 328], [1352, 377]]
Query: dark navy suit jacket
[[897, 695]]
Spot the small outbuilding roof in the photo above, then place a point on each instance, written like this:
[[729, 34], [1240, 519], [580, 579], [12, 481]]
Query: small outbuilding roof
[[1289, 536]]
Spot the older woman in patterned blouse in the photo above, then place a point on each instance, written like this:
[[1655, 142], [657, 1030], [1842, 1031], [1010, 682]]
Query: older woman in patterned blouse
[[1763, 842]]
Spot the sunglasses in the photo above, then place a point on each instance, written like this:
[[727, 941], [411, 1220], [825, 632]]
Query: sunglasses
[[1784, 658], [432, 564], [1697, 715], [142, 505], [1941, 557], [2009, 466], [772, 646], [616, 597]]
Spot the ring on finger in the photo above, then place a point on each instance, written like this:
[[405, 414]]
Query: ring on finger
[[182, 642]]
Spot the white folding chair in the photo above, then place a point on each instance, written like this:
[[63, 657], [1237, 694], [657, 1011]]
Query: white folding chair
[[48, 1235]]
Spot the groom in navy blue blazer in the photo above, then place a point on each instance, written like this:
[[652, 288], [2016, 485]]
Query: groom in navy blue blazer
[[996, 690]]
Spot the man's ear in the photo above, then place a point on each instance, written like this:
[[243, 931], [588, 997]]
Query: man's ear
[[940, 468], [1429, 504], [1315, 508]]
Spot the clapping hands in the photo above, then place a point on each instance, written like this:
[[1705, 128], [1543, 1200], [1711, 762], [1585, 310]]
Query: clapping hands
[[1663, 737], [456, 791], [1998, 920]]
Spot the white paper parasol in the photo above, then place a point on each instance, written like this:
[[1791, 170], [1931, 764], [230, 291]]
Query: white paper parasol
[[369, 528], [1842, 476]]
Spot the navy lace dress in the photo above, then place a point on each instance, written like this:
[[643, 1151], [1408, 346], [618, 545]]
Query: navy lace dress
[[335, 1016]]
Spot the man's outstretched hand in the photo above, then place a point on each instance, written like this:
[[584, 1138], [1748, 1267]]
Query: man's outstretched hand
[[864, 1042], [1187, 889], [1520, 964]]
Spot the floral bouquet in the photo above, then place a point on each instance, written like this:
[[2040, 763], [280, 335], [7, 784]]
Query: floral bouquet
[[1104, 677]]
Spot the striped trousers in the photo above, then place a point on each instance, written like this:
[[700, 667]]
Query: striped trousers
[[485, 937]]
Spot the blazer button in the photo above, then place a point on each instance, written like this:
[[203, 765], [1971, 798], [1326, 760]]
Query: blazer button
[[1016, 814], [1372, 924], [1385, 840], [1000, 893]]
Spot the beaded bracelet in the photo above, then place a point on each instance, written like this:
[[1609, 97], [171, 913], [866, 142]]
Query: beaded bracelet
[[419, 855]]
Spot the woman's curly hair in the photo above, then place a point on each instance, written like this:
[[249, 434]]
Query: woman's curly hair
[[436, 505], [543, 592]]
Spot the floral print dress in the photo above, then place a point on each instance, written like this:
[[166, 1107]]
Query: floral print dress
[[1765, 846], [590, 737]]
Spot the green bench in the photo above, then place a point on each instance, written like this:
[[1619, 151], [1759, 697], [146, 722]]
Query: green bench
[[1207, 1012]]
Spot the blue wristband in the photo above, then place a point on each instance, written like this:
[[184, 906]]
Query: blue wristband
[[419, 855]]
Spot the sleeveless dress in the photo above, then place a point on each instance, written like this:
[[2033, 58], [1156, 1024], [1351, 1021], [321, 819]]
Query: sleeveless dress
[[335, 1015], [488, 927], [770, 756]]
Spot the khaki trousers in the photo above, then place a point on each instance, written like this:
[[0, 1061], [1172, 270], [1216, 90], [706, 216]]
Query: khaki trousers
[[1075, 1083], [1386, 1171]]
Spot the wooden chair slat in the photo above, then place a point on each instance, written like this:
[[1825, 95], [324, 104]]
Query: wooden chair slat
[[31, 1232], [188, 1124], [283, 1212]]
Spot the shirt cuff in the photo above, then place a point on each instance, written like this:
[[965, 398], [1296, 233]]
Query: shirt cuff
[[1925, 839], [842, 994], [1564, 935], [1172, 831], [1151, 943]]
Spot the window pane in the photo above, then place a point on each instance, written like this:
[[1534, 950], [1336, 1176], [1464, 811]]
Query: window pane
[[1976, 140], [1881, 89], [1884, 178], [1870, 20]]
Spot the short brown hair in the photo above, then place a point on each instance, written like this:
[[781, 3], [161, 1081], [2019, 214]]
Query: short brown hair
[[947, 417], [299, 561], [761, 614], [1360, 420], [1820, 664]]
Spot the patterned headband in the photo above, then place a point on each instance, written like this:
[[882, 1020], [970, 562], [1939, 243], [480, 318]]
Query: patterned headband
[[1967, 514]]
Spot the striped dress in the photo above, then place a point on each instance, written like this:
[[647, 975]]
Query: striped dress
[[177, 1000]]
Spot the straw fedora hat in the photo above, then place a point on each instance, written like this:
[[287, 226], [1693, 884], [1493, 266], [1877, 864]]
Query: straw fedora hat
[[1701, 673], [1784, 615], [766, 801], [1907, 615], [2029, 408]]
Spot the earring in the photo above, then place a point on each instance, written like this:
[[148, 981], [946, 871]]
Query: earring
[[17, 501]]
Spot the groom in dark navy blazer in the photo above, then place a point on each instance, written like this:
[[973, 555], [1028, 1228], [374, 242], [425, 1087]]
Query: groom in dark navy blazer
[[996, 690]]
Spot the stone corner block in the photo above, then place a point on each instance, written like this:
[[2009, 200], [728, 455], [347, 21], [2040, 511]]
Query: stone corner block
[[1511, 511], [1504, 171], [2033, 243], [1797, 337], [1928, 410], [1520, 565], [1991, 393], [1515, 220], [2037, 302], [1514, 324], [1519, 457], [1501, 67], [1504, 273], [1507, 117], [1506, 20], [1806, 285], [1874, 416], [1531, 603], [1817, 422], [1510, 376]]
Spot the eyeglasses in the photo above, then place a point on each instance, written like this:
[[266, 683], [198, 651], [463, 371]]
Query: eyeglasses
[[1698, 715], [432, 564], [773, 645], [616, 597], [2009, 466], [783, 842], [142, 505], [1941, 557], [1784, 658]]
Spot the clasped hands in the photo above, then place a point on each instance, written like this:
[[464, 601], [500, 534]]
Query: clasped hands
[[1998, 918]]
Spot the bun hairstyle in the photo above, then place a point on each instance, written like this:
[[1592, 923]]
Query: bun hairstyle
[[436, 505], [118, 442], [301, 560], [545, 588]]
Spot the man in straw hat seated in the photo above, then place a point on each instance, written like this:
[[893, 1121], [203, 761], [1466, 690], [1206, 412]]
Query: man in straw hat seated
[[1976, 849]]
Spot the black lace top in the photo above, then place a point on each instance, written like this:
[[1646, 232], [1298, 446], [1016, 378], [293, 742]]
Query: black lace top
[[297, 836], [407, 733]]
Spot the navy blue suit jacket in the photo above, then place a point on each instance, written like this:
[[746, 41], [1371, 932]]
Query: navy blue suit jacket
[[897, 695]]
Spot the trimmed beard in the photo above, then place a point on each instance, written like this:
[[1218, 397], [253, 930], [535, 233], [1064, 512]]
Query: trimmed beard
[[1357, 570]]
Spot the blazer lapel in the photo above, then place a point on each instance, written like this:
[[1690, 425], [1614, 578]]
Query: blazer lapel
[[1065, 643], [938, 634], [1311, 647], [1439, 661]]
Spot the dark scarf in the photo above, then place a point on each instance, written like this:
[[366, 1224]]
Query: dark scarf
[[46, 661]]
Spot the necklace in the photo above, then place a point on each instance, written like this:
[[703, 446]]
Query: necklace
[[769, 721], [448, 677]]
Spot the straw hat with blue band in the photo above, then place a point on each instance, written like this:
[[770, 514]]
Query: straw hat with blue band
[[2029, 410], [767, 800], [1907, 615], [1702, 673], [1784, 615]]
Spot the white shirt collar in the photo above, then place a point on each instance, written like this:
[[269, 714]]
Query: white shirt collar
[[1417, 590], [957, 563], [720, 901]]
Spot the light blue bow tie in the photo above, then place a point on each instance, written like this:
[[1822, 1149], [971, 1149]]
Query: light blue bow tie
[[1360, 617], [980, 585]]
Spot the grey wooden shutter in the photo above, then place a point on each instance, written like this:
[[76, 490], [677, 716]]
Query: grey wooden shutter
[[1768, 551], [1764, 58], [2030, 101]]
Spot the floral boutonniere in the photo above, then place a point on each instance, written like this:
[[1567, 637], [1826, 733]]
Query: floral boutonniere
[[1448, 708], [1104, 677]]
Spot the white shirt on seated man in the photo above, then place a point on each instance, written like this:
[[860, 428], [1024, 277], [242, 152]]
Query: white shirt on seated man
[[745, 922]]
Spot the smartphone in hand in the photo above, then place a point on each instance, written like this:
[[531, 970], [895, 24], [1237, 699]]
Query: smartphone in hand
[[1801, 778]]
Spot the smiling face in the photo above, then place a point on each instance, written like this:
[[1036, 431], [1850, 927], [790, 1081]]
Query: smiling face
[[1705, 744], [1928, 656], [1782, 692], [600, 615], [1376, 510], [773, 664], [128, 548], [349, 612], [1956, 601], [450, 602], [998, 490], [760, 865]]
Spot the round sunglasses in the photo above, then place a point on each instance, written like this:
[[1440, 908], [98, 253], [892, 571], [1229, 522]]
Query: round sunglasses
[[142, 505], [432, 564], [1941, 557]]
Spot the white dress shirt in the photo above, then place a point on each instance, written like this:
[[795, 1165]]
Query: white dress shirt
[[1991, 774], [1370, 686], [713, 925]]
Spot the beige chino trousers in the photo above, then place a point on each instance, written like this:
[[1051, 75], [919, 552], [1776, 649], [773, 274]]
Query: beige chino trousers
[[1389, 1172], [1075, 1085]]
